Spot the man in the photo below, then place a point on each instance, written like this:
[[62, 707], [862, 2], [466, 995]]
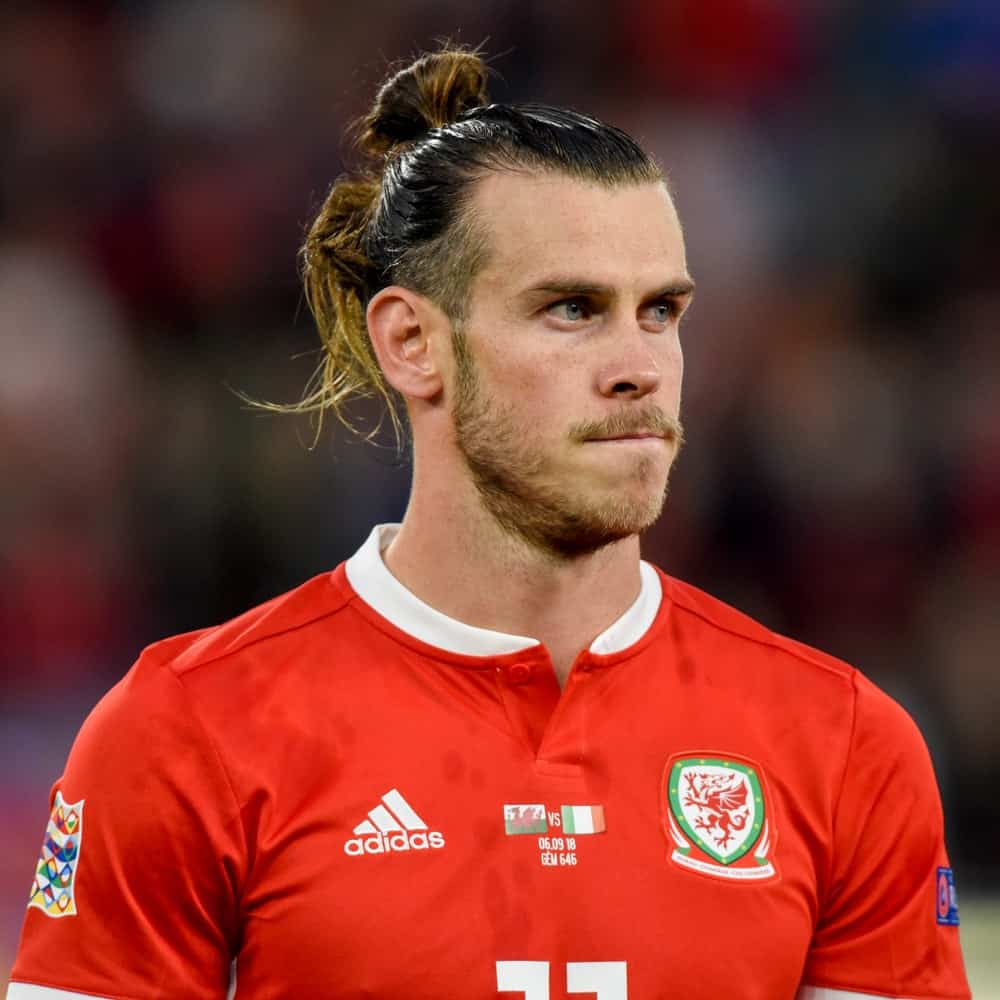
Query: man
[[495, 753]]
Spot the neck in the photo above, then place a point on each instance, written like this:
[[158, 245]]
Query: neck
[[461, 562]]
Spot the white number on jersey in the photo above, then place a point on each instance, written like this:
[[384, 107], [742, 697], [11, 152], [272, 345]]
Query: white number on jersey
[[609, 980]]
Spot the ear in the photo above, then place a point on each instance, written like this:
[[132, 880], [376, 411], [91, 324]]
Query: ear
[[404, 327]]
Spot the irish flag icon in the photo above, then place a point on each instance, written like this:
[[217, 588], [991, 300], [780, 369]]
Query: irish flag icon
[[583, 819]]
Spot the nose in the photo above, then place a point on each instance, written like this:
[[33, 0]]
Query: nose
[[632, 375]]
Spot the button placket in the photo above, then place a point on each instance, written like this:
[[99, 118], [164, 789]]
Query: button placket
[[529, 690]]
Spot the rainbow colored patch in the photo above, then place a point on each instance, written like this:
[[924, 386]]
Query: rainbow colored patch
[[52, 889]]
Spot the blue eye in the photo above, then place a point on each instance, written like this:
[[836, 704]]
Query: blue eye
[[662, 313], [572, 310]]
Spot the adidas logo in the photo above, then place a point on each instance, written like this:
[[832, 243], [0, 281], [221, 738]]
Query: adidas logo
[[392, 826]]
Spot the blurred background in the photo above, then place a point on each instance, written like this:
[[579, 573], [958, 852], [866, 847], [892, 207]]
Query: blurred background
[[836, 166]]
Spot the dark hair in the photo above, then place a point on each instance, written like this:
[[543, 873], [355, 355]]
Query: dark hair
[[406, 219]]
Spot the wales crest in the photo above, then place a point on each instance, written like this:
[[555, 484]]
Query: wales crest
[[716, 817]]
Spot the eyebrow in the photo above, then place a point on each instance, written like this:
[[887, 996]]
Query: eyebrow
[[679, 288]]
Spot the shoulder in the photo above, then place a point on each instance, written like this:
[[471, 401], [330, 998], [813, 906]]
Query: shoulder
[[169, 676], [735, 638], [202, 703], [708, 614], [272, 622]]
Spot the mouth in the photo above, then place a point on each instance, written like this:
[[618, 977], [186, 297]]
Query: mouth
[[634, 436], [632, 428]]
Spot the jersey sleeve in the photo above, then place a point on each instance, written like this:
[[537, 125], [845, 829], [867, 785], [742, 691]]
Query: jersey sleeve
[[884, 928], [136, 887]]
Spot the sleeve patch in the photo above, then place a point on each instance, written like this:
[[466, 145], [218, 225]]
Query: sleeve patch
[[55, 870], [947, 898]]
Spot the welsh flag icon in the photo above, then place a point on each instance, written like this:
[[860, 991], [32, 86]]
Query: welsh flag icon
[[524, 818]]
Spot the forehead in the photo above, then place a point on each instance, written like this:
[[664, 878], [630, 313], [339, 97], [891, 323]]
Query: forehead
[[545, 224]]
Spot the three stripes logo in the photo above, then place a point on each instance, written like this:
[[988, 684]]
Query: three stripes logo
[[392, 826]]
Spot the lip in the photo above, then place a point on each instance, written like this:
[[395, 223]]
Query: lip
[[649, 436]]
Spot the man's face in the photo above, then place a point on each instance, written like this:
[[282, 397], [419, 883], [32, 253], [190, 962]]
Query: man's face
[[568, 365]]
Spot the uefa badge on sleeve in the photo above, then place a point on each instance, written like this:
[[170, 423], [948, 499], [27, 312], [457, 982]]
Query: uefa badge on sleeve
[[947, 898], [717, 817], [55, 871]]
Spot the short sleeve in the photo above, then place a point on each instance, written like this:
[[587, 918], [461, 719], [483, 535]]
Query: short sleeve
[[136, 887], [881, 930]]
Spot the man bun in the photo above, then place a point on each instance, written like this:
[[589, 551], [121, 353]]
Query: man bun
[[338, 273], [406, 216], [430, 93]]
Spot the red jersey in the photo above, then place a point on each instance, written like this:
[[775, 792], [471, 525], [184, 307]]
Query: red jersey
[[346, 794]]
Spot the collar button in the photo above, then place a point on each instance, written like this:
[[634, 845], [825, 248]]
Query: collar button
[[519, 673]]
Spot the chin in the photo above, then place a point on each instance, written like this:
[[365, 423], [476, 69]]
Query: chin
[[594, 526]]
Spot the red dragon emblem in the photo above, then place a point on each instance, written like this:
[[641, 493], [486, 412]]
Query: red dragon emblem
[[526, 818], [721, 803], [717, 818]]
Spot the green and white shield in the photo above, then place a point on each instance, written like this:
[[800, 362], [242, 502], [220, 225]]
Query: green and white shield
[[719, 805]]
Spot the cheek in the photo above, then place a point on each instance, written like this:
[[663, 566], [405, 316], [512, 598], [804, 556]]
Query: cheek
[[672, 371], [678, 370], [532, 381]]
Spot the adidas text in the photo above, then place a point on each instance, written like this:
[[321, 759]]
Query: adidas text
[[386, 843]]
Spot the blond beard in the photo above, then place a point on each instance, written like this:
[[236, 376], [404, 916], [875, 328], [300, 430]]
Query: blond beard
[[510, 472]]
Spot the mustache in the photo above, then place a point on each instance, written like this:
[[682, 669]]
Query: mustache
[[649, 420]]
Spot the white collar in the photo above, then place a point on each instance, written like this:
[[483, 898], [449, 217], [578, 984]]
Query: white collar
[[377, 587]]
